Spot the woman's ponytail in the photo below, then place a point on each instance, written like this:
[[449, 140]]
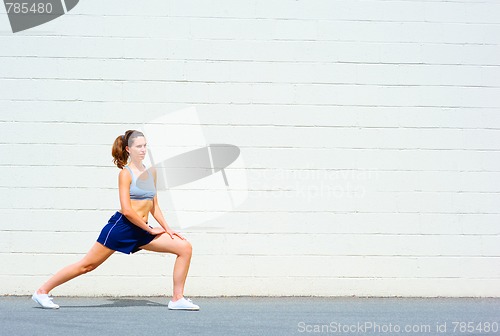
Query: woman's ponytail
[[120, 155]]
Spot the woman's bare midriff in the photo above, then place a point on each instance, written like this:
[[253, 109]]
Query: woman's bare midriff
[[142, 208]]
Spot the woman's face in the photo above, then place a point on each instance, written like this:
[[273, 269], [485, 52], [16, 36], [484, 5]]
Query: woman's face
[[137, 149]]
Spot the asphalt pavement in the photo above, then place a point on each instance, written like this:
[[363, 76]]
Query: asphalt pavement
[[122, 316]]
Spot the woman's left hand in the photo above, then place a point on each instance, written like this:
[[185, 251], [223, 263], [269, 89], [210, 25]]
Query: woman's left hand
[[173, 233]]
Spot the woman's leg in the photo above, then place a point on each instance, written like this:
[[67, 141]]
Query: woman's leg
[[183, 250], [96, 256]]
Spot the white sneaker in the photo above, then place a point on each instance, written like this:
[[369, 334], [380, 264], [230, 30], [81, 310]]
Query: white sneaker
[[44, 300], [183, 304]]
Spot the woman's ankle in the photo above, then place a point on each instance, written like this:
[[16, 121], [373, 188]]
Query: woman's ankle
[[177, 297]]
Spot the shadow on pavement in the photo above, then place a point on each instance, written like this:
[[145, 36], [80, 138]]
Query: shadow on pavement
[[120, 303]]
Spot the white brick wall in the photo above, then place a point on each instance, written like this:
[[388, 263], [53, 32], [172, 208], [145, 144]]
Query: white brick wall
[[370, 132]]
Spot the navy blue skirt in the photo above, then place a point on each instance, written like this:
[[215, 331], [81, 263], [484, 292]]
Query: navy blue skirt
[[122, 235]]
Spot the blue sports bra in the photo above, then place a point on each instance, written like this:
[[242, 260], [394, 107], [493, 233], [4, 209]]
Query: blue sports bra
[[141, 189]]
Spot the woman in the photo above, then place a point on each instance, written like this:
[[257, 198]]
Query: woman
[[127, 230]]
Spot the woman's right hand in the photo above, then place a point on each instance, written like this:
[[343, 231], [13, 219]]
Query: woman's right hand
[[157, 230]]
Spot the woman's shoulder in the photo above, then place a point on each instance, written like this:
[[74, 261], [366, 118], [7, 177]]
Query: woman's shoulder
[[124, 172]]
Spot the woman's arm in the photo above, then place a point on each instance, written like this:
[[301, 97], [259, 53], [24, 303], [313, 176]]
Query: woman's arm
[[158, 215], [124, 180]]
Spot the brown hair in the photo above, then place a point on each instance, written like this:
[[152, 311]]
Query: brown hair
[[120, 154]]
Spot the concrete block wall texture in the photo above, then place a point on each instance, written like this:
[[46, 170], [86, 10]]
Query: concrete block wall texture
[[370, 133]]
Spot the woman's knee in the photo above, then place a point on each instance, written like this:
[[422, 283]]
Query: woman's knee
[[86, 267], [186, 248]]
